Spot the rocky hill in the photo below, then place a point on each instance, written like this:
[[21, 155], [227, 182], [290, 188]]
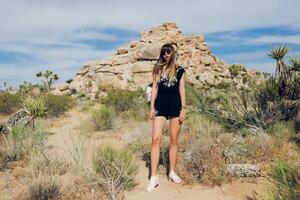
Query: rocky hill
[[130, 66]]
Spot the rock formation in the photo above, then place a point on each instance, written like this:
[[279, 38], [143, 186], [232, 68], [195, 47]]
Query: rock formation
[[131, 65]]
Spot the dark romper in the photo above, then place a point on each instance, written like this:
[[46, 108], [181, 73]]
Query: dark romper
[[168, 102]]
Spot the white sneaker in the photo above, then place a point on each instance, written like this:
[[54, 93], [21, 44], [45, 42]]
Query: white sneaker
[[174, 177], [153, 183]]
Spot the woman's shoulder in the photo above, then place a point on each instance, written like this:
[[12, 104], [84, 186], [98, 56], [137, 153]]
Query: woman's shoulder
[[180, 68]]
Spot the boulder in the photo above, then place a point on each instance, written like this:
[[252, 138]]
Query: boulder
[[131, 65], [243, 170]]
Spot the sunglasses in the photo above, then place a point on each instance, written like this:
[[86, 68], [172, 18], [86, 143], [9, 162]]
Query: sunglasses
[[166, 50]]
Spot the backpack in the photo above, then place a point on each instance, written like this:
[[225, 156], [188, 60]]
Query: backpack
[[148, 90]]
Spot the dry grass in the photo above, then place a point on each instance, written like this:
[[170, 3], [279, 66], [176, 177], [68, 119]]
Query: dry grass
[[82, 190], [204, 142], [117, 166], [44, 188], [41, 163]]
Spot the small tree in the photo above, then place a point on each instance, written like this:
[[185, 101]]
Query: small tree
[[48, 78], [5, 87]]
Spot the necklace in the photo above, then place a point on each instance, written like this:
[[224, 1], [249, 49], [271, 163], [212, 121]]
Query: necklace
[[167, 81]]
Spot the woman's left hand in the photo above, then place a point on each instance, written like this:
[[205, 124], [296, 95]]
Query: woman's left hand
[[181, 116]]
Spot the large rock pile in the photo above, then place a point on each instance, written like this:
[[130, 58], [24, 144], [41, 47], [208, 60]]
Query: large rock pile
[[130, 67]]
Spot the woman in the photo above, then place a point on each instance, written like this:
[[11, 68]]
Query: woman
[[167, 102]]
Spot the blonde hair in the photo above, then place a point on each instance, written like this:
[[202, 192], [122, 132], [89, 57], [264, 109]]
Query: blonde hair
[[170, 63]]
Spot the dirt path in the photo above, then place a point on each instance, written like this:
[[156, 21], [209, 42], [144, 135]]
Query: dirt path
[[67, 128], [169, 190]]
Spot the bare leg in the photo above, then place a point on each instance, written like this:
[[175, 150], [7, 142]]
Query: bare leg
[[174, 130], [158, 125]]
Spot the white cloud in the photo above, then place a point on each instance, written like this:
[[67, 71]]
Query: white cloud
[[50, 31], [269, 39], [194, 16]]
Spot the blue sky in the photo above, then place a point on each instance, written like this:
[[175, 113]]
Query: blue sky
[[64, 35]]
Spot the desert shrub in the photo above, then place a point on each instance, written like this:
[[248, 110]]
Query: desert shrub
[[285, 182], [236, 69], [103, 119], [294, 87], [44, 188], [208, 148], [57, 104], [117, 166], [23, 139], [41, 163], [9, 103], [139, 110], [13, 147], [26, 88], [282, 128], [194, 97], [121, 99], [203, 159], [81, 190], [136, 146]]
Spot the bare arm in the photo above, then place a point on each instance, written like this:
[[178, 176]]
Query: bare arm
[[153, 92], [182, 90]]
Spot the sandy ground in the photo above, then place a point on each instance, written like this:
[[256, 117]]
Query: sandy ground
[[66, 131], [170, 190], [69, 127]]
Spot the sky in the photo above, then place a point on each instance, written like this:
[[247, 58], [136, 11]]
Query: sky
[[62, 36]]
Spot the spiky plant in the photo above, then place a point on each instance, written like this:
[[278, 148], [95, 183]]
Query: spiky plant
[[282, 70], [295, 64], [35, 107]]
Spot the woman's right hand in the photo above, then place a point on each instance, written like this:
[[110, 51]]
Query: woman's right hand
[[152, 113]]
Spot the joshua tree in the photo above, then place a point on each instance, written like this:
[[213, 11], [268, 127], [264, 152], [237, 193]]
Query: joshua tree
[[282, 70], [48, 77], [5, 87]]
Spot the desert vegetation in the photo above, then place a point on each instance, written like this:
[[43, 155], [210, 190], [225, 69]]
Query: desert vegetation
[[230, 134]]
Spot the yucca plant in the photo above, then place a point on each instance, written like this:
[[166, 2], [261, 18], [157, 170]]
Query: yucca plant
[[282, 70], [35, 107], [295, 64]]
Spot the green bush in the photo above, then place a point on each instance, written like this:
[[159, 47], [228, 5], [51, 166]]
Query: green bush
[[236, 69], [9, 103], [282, 129], [121, 99], [294, 87], [26, 88], [285, 182], [116, 166], [26, 139], [139, 110], [103, 119], [57, 104]]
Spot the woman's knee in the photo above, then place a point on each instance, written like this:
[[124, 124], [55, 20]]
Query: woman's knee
[[156, 140], [173, 141]]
